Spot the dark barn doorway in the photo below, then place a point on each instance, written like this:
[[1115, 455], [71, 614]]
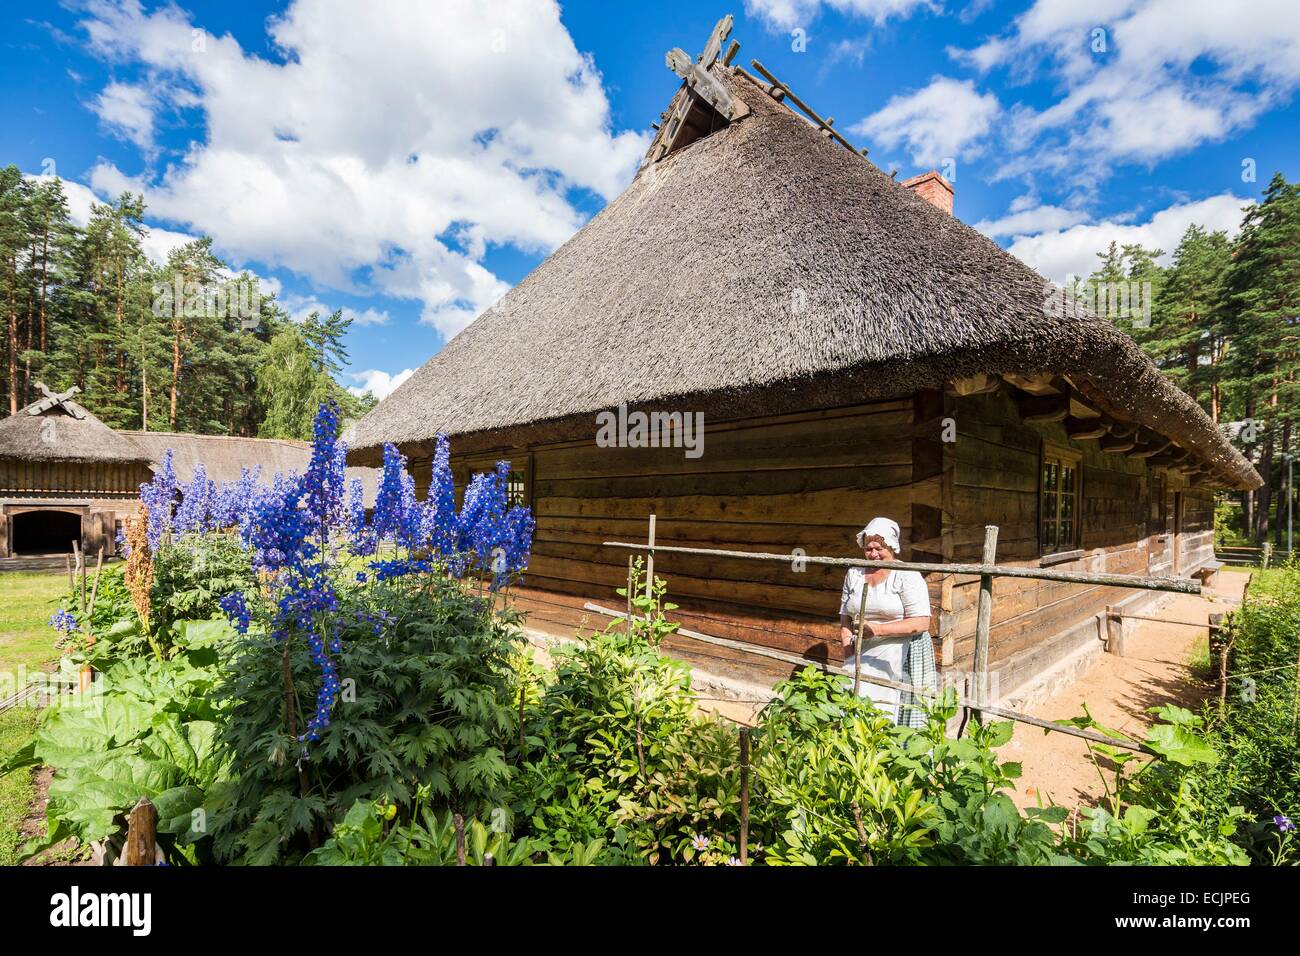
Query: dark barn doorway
[[45, 532]]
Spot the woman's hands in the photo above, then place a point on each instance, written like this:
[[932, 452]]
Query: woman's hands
[[848, 635]]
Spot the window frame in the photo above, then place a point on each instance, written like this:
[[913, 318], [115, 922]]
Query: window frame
[[519, 492], [1062, 456]]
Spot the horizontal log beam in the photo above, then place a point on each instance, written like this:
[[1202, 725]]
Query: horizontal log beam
[[1142, 582], [1085, 429], [1150, 450], [981, 384], [1044, 409], [1114, 443]]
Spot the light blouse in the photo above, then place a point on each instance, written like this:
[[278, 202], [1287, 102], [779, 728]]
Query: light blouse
[[902, 594]]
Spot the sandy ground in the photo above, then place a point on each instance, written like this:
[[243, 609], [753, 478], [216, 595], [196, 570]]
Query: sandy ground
[[1118, 691]]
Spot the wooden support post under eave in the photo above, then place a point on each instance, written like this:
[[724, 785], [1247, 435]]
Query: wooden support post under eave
[[983, 619]]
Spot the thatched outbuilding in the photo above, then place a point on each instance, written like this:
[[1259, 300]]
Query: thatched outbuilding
[[854, 350], [67, 477]]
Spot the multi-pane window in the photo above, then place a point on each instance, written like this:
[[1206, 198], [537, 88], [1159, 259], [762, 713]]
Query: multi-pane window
[[517, 482], [1058, 515], [516, 479]]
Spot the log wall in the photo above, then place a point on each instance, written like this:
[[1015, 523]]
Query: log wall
[[807, 481], [943, 467], [995, 466]]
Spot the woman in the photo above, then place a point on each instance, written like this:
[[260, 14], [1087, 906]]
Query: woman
[[895, 642]]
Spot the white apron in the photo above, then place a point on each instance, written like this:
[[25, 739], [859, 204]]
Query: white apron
[[902, 594]]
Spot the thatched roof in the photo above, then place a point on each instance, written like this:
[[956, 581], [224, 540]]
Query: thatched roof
[[224, 456], [761, 269], [55, 428]]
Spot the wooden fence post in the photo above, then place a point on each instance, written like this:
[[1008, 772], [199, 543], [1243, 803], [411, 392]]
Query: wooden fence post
[[458, 822], [142, 835], [1114, 632], [744, 796], [984, 617]]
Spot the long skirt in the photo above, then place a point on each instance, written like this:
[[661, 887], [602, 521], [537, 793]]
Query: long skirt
[[906, 660]]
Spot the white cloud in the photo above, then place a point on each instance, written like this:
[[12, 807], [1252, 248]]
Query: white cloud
[[1072, 251], [1029, 218], [299, 307], [942, 121], [127, 111], [1162, 77], [156, 242], [788, 14], [389, 150], [379, 383]]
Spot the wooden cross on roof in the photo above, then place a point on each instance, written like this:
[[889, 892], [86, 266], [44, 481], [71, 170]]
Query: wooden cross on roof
[[702, 99], [53, 400]]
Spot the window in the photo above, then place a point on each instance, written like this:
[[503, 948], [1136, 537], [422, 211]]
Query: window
[[516, 479], [1159, 506], [517, 482], [1058, 514]]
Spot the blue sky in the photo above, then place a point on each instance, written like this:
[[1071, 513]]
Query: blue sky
[[409, 161]]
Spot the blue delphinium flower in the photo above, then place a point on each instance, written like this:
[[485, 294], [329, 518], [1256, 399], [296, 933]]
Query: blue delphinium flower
[[159, 498], [517, 542], [1284, 823], [362, 542], [392, 503], [192, 514], [236, 607], [62, 621], [231, 503], [440, 505]]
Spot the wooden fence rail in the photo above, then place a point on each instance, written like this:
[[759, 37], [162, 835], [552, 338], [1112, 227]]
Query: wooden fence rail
[[987, 570]]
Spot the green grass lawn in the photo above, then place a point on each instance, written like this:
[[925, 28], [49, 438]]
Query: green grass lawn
[[27, 599]]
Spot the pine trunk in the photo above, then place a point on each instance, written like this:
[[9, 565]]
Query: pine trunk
[[176, 369]]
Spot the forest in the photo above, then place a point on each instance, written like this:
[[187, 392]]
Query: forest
[[183, 346], [1222, 323]]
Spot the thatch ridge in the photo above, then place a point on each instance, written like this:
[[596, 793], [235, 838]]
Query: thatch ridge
[[765, 269], [223, 456], [58, 434]]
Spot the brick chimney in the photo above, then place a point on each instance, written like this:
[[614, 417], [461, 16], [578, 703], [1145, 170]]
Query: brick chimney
[[933, 188]]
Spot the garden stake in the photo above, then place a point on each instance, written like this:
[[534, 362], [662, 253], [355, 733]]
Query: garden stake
[[523, 687], [744, 796], [141, 835], [650, 562], [87, 674], [459, 822], [862, 834], [857, 647], [67, 563]]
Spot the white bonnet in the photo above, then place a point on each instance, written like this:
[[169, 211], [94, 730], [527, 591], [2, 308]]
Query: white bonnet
[[884, 528]]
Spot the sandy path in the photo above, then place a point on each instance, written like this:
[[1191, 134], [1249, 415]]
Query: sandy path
[[1118, 690]]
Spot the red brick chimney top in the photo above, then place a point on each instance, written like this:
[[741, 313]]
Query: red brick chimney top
[[933, 188]]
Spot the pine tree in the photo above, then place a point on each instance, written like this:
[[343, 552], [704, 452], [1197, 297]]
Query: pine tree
[[1262, 318]]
